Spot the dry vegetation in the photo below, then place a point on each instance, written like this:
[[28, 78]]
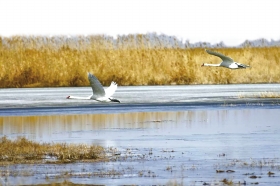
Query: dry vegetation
[[26, 151], [260, 95], [269, 95], [131, 60]]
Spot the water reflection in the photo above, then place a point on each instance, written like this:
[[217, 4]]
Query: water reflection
[[106, 127]]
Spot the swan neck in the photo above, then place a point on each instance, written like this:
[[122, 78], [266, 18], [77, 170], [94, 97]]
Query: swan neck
[[212, 65], [77, 97]]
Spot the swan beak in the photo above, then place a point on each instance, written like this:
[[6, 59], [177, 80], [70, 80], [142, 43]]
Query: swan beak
[[68, 97], [114, 100]]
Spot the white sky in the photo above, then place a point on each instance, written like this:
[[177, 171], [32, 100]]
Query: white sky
[[230, 21]]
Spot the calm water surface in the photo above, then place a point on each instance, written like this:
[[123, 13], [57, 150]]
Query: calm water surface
[[185, 147]]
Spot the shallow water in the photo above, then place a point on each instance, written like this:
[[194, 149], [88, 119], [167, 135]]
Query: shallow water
[[157, 147], [52, 101]]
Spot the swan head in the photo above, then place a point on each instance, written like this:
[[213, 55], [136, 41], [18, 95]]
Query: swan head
[[202, 65], [114, 100], [68, 97]]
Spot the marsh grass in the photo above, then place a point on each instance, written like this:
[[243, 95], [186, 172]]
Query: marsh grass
[[261, 95], [227, 182], [267, 163], [26, 151], [56, 61], [269, 95]]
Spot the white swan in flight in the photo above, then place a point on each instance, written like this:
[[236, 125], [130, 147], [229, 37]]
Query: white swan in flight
[[227, 61], [99, 94]]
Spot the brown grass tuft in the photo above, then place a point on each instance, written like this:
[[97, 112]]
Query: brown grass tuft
[[227, 182], [26, 151]]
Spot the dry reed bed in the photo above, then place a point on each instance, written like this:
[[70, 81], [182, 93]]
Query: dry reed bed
[[48, 66], [26, 151]]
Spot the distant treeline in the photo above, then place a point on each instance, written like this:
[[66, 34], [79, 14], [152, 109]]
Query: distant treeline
[[136, 41], [150, 59]]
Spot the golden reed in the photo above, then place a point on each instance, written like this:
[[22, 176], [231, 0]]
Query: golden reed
[[61, 61]]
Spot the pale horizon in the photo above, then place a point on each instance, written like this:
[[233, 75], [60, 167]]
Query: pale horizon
[[230, 22]]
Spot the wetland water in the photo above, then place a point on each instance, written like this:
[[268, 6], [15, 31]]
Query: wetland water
[[184, 145]]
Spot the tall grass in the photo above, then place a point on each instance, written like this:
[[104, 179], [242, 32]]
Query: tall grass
[[23, 150], [129, 60]]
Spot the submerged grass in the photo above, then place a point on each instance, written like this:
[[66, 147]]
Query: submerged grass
[[30, 62], [26, 151]]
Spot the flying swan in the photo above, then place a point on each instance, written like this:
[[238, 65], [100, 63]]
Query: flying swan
[[99, 93], [227, 61]]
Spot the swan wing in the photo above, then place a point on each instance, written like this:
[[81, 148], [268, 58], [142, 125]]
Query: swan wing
[[96, 86], [225, 59], [111, 89]]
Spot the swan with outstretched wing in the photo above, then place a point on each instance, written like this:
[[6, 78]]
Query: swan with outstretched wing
[[227, 62], [98, 92]]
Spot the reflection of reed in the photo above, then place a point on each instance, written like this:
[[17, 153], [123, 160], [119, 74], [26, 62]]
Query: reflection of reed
[[186, 122], [38, 127], [42, 125]]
